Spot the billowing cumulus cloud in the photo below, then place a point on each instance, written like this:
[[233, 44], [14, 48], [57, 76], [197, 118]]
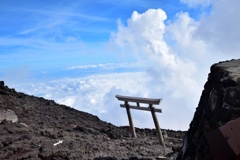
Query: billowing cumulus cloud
[[143, 35]]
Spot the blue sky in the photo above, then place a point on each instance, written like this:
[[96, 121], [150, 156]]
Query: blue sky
[[86, 52], [39, 33]]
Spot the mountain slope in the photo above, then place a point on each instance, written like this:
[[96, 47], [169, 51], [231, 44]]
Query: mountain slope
[[35, 128]]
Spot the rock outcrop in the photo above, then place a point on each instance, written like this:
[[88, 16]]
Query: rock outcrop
[[218, 107]]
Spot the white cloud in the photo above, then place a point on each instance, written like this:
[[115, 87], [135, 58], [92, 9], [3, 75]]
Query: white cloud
[[100, 66], [144, 35], [221, 28], [180, 32], [139, 29], [93, 94], [82, 67], [68, 100], [107, 66]]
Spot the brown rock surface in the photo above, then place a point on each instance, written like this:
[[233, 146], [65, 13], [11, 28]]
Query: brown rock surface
[[47, 130]]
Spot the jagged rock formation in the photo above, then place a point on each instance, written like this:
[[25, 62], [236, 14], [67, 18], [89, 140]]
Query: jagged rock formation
[[219, 104], [34, 128]]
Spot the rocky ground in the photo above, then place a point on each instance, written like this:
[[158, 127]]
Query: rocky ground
[[34, 128]]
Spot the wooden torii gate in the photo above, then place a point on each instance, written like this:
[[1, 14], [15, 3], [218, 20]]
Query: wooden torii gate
[[151, 108]]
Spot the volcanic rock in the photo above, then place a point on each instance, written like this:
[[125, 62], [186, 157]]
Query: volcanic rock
[[219, 108], [33, 128]]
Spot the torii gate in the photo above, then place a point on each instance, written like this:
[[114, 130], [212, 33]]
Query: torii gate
[[151, 108]]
